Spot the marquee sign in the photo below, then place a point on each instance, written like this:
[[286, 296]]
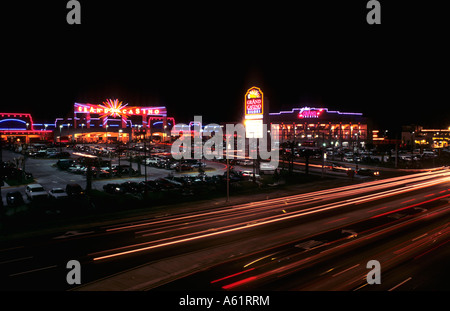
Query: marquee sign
[[254, 103], [309, 113], [115, 108]]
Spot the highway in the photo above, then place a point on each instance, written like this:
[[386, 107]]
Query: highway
[[340, 220]]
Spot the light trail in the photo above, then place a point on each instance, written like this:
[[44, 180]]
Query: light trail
[[262, 221], [387, 258], [295, 199]]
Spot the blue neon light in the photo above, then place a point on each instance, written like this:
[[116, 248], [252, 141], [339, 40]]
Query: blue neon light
[[17, 120]]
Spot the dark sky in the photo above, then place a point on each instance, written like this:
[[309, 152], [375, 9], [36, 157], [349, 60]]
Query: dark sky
[[198, 58]]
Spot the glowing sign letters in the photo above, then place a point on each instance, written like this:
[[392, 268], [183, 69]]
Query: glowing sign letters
[[307, 113], [253, 102]]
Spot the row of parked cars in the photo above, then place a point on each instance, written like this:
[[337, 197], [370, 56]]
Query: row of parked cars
[[184, 185], [36, 192], [99, 169], [168, 162]]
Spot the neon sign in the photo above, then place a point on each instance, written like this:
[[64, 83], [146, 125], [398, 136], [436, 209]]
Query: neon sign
[[308, 113], [253, 102], [115, 108]]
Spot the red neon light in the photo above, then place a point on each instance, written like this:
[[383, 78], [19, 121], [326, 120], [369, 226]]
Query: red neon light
[[20, 115], [161, 118], [26, 131]]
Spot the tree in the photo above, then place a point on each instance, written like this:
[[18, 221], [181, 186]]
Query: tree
[[306, 153]]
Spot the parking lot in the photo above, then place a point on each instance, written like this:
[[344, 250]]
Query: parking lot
[[157, 166]]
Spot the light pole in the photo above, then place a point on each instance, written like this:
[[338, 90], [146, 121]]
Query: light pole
[[60, 129], [145, 160], [228, 172], [120, 135], [82, 133]]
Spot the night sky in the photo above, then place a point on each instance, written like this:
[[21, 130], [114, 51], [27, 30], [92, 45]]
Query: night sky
[[199, 58]]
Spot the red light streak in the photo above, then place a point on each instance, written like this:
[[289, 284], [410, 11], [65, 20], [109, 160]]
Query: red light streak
[[229, 286], [272, 219], [409, 206], [232, 275], [430, 250]]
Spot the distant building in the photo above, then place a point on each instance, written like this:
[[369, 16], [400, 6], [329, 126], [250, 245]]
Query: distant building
[[415, 136], [113, 121], [322, 127]]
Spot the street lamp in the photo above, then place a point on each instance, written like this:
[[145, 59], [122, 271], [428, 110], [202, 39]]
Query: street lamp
[[120, 135], [228, 172], [82, 133], [165, 134], [60, 128]]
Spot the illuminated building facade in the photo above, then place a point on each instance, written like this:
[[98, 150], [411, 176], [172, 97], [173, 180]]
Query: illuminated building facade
[[113, 121], [321, 127], [414, 136], [20, 128]]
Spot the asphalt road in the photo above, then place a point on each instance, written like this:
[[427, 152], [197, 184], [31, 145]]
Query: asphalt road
[[411, 246], [106, 251]]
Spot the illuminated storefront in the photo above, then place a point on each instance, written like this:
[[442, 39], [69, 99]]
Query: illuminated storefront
[[113, 121], [414, 136], [321, 127], [20, 128]]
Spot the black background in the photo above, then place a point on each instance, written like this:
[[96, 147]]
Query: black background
[[199, 58]]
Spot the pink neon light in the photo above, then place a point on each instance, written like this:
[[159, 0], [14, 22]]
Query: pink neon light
[[20, 115], [319, 109]]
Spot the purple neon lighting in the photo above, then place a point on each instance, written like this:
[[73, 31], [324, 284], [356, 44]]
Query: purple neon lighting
[[312, 108]]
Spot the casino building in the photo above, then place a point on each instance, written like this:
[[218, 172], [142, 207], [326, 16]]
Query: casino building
[[114, 121], [19, 128], [321, 127]]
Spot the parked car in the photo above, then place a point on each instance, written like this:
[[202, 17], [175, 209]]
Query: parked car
[[267, 168], [113, 189], [74, 190], [57, 193], [59, 155], [130, 186], [245, 162], [14, 198], [64, 164], [76, 169], [198, 164], [35, 191], [248, 174], [51, 152]]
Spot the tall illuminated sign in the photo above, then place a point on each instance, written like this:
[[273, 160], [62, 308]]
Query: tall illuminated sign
[[254, 103], [254, 107]]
